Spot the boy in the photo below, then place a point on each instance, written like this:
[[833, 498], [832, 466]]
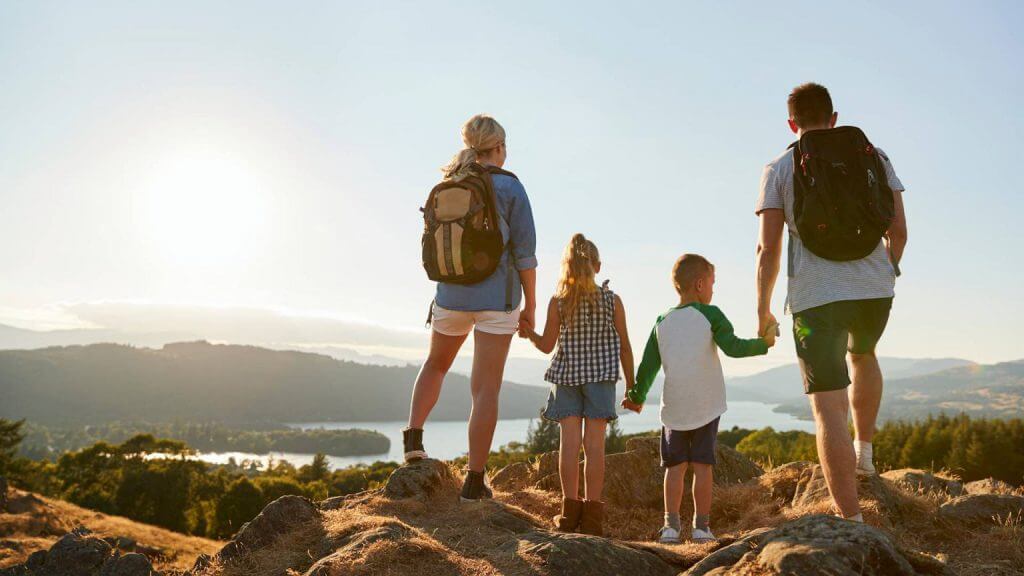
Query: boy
[[683, 340]]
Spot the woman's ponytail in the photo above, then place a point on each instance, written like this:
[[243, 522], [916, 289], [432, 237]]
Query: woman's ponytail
[[481, 133]]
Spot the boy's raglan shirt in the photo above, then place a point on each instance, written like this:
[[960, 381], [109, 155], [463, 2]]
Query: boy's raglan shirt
[[684, 341]]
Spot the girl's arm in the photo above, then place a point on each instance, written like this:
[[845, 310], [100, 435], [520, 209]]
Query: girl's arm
[[546, 342], [626, 350]]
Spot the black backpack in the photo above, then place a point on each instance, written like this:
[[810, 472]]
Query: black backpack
[[842, 202], [462, 241]]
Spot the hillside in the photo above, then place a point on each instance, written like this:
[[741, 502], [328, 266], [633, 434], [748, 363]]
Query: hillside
[[785, 384], [770, 523], [994, 391], [30, 523], [198, 381]]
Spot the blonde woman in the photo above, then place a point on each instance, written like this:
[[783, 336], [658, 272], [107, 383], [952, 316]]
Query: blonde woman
[[588, 324], [489, 308]]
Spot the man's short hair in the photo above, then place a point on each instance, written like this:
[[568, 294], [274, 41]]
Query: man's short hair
[[810, 105], [688, 269]]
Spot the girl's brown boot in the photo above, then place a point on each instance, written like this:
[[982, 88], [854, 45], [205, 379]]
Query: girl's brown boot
[[569, 519], [592, 520]]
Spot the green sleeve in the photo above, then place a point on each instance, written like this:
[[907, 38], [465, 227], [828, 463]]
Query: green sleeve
[[727, 340], [648, 370]]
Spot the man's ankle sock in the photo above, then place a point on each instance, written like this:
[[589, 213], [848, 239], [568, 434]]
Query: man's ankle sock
[[858, 517], [863, 450], [702, 521], [672, 520]]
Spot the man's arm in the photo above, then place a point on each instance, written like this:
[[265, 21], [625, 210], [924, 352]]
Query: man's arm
[[896, 236], [769, 255]]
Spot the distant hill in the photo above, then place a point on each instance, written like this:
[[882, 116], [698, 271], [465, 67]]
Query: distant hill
[[784, 384], [995, 391], [198, 381]]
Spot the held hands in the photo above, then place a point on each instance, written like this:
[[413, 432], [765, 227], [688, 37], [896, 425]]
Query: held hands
[[630, 405], [768, 328]]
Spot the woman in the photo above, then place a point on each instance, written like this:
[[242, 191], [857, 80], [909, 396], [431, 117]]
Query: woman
[[485, 306]]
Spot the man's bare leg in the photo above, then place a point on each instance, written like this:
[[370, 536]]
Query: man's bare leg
[[835, 449], [865, 399]]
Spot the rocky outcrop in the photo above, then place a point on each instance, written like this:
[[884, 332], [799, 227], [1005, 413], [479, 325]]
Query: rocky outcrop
[[280, 517], [989, 486], [419, 479], [811, 490], [978, 509], [817, 545], [78, 553], [579, 554], [632, 478], [781, 481], [923, 482]]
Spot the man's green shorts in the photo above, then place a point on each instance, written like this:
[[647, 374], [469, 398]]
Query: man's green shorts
[[825, 334]]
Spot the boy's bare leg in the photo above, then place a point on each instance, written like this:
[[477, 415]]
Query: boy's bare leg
[[835, 449], [674, 476], [702, 483], [570, 437], [593, 448]]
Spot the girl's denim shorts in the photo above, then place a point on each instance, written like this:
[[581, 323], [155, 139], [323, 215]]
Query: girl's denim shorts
[[593, 400]]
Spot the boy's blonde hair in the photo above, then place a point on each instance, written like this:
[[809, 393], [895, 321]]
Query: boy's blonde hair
[[688, 269], [481, 133], [576, 283]]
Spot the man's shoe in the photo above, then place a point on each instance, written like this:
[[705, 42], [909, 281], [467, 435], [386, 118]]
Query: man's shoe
[[412, 442], [865, 468], [669, 535], [474, 488], [702, 536]]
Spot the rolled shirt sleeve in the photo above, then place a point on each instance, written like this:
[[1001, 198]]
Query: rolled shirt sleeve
[[522, 233], [890, 174], [770, 196]]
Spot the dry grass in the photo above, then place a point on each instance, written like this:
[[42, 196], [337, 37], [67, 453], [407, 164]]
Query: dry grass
[[297, 549], [41, 521]]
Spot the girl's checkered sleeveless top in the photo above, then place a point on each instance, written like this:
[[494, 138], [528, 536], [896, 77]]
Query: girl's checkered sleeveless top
[[588, 347]]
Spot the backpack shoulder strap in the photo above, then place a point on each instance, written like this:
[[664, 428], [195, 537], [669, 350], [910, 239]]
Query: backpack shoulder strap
[[496, 170]]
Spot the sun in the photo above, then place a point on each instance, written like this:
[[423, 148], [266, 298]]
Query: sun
[[205, 208]]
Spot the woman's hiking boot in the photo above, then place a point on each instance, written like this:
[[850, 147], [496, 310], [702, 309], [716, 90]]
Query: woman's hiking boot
[[592, 519], [474, 488], [569, 519], [412, 441]]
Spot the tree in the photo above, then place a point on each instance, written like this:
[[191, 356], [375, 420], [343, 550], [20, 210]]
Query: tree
[[542, 438], [319, 469], [10, 438], [241, 503], [613, 440]]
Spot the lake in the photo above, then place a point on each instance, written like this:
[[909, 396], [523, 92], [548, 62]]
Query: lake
[[447, 440]]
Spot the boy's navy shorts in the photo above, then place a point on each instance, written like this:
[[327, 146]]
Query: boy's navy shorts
[[678, 446]]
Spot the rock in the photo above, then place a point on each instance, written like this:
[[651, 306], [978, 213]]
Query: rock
[[977, 509], [127, 565], [75, 554], [419, 479], [513, 477], [203, 561], [3, 494], [989, 486], [781, 481], [811, 490], [924, 482], [816, 545], [36, 560], [590, 555], [281, 516]]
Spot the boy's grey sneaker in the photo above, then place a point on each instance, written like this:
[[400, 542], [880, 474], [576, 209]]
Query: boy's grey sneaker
[[412, 442], [702, 536], [669, 535], [474, 488]]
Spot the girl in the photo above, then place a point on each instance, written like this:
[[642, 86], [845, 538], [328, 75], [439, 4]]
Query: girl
[[588, 323], [489, 309]]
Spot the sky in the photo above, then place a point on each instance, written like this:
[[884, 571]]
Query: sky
[[267, 160]]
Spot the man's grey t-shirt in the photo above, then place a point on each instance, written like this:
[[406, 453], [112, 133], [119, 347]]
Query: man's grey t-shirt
[[813, 280]]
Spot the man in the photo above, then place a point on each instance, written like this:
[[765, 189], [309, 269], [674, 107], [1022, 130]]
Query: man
[[838, 307]]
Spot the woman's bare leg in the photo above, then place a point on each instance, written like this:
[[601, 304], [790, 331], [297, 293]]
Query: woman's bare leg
[[489, 355], [443, 350]]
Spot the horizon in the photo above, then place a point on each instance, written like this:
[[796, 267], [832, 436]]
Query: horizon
[[212, 177]]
